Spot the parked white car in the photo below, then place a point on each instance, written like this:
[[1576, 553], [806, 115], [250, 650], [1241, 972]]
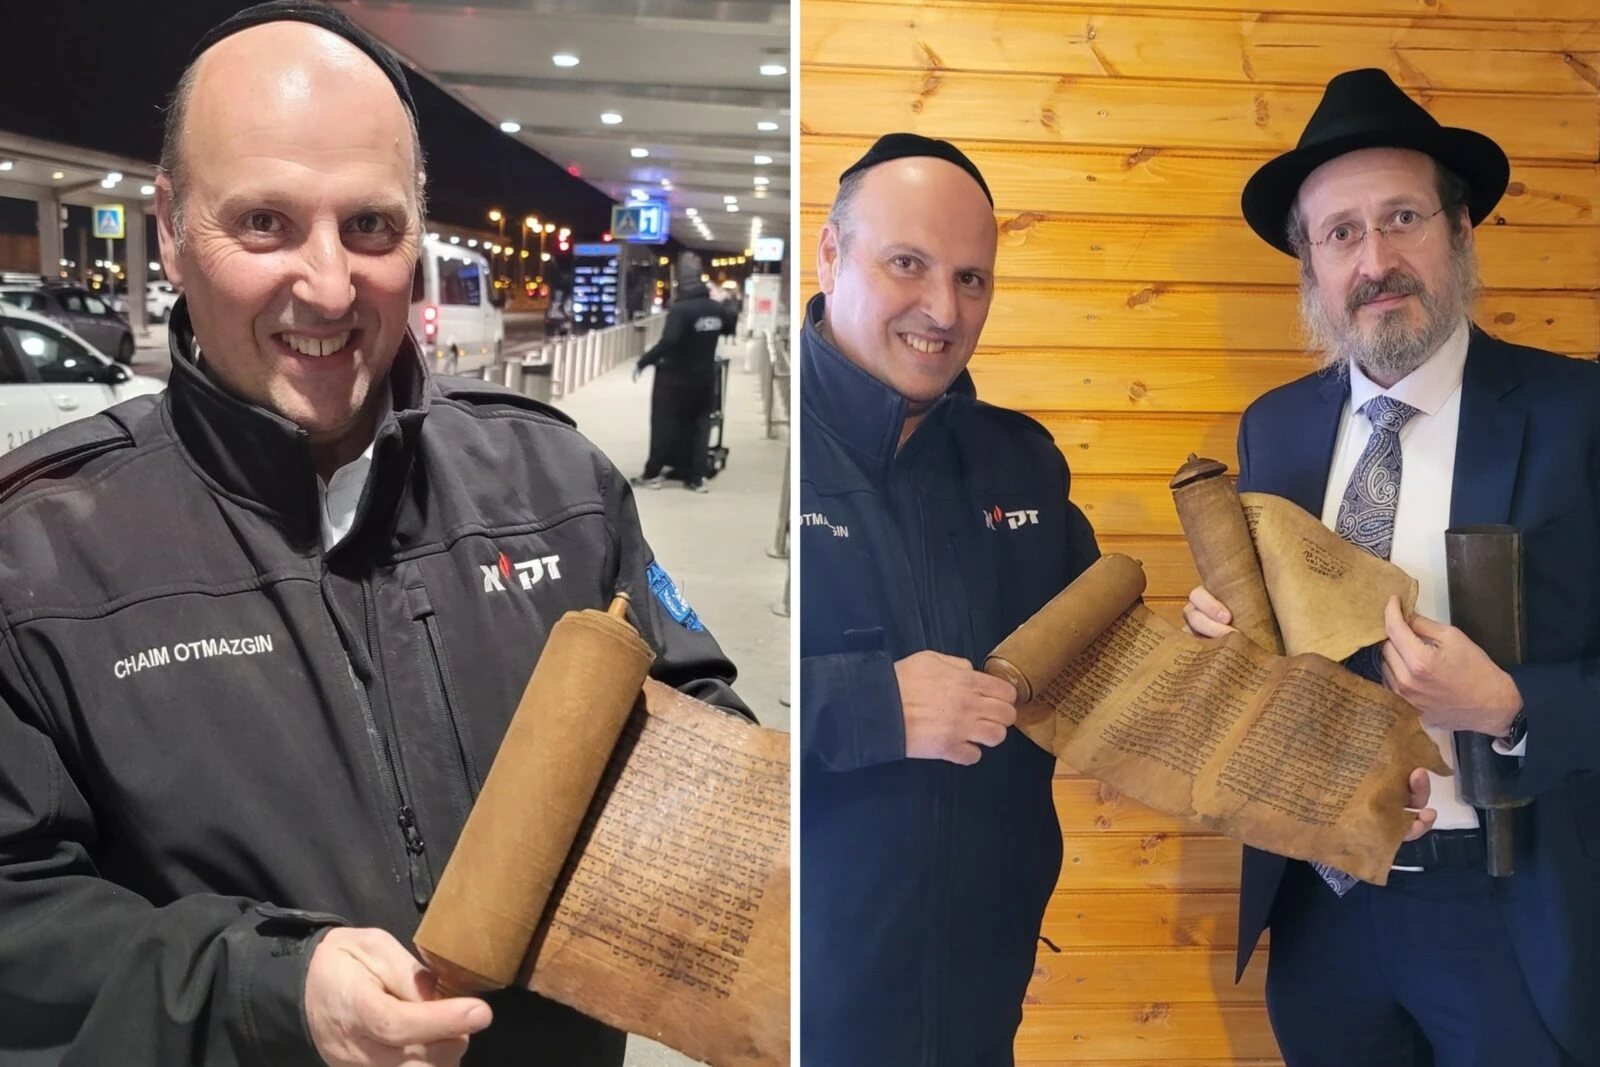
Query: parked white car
[[455, 310], [158, 300], [50, 376]]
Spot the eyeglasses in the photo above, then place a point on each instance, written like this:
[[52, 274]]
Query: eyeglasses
[[1406, 229]]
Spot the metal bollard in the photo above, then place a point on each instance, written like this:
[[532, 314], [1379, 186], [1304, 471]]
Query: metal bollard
[[780, 541]]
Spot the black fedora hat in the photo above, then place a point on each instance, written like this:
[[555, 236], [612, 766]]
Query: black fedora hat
[[1366, 109]]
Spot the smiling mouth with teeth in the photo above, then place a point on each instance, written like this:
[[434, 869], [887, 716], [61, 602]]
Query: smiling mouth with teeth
[[921, 345], [316, 347]]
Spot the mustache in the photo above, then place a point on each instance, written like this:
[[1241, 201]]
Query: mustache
[[1395, 283]]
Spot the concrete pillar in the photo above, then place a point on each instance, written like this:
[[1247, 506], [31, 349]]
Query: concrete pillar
[[51, 251], [138, 257]]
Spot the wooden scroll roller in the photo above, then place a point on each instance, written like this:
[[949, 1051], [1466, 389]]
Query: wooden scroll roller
[[476, 933], [1214, 523], [1058, 633]]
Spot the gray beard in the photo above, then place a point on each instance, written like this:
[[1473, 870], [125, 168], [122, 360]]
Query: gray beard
[[1394, 349]]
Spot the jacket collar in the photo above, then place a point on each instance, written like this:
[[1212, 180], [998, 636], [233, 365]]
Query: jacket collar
[[263, 460], [861, 412], [1488, 441]]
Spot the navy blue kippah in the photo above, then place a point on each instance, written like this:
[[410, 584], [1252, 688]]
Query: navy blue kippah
[[905, 145]]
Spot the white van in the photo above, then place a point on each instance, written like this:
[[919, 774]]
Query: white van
[[455, 309]]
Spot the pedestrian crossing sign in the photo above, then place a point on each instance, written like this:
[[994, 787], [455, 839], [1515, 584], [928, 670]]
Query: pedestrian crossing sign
[[641, 222], [108, 222]]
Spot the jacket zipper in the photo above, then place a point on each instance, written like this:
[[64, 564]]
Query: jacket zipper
[[468, 785], [386, 742]]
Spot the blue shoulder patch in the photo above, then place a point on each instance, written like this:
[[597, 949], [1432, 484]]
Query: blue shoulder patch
[[671, 600]]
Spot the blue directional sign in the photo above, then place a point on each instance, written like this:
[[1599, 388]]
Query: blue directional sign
[[641, 222], [108, 221]]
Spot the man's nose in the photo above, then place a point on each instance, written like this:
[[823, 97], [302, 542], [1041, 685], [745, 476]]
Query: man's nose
[[324, 284], [939, 302], [1376, 257]]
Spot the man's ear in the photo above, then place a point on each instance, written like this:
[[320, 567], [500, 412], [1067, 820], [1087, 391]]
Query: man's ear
[[166, 229], [828, 258]]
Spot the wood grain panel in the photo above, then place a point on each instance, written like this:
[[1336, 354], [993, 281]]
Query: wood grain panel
[[1142, 443], [1088, 248], [1149, 861], [1079, 977], [1080, 918], [1519, 11], [1225, 47], [1149, 1031], [1151, 181], [1136, 380], [1127, 505], [1089, 806], [1131, 315], [1103, 111]]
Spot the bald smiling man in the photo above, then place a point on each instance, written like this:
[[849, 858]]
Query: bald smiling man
[[933, 524], [256, 652]]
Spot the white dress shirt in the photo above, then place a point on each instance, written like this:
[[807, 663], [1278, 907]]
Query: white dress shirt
[[1427, 473], [341, 494]]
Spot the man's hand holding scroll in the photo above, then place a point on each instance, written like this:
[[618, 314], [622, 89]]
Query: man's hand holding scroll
[[1441, 672], [368, 1001], [1206, 616], [950, 709]]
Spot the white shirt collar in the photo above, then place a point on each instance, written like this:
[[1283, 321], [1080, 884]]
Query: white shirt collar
[[1426, 388], [341, 494]]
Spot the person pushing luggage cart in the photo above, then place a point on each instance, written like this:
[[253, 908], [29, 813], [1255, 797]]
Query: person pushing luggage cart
[[687, 396]]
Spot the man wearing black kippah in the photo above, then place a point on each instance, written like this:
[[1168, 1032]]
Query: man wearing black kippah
[[261, 637], [932, 525]]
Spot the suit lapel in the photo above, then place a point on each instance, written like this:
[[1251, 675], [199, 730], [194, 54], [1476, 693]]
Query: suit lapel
[[1489, 438], [1309, 447]]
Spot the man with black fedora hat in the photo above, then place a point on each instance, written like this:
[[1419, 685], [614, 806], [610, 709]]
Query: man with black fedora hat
[[260, 637], [932, 525], [1417, 422]]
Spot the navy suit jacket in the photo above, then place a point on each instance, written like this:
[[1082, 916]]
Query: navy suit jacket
[[1528, 454]]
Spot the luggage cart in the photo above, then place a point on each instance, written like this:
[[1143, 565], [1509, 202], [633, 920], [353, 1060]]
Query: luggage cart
[[717, 450]]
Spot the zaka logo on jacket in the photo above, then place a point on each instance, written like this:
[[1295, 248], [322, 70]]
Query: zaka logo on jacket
[[529, 573], [670, 599], [1012, 519]]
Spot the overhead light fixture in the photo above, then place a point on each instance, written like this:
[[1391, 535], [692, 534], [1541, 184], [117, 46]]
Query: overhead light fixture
[[107, 183], [766, 127], [113, 176], [730, 200], [564, 59], [610, 118], [762, 181], [6, 164], [639, 153], [691, 212], [774, 70], [472, 242], [640, 194], [508, 126], [454, 239], [58, 175], [733, 208], [762, 161]]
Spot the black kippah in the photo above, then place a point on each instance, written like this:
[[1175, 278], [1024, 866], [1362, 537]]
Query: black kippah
[[904, 145], [316, 14]]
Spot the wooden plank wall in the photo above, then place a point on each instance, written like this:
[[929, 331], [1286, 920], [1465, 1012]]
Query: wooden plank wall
[[1136, 316]]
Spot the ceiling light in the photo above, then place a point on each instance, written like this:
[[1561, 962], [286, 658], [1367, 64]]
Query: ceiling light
[[774, 70], [691, 212], [107, 183], [508, 126], [730, 200], [564, 59], [472, 242], [734, 208], [766, 127], [762, 181], [640, 194], [610, 118], [639, 153], [58, 175], [454, 239], [665, 184], [762, 161], [6, 164], [113, 176], [144, 190]]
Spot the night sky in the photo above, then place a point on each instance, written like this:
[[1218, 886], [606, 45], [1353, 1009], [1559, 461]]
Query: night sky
[[95, 73]]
